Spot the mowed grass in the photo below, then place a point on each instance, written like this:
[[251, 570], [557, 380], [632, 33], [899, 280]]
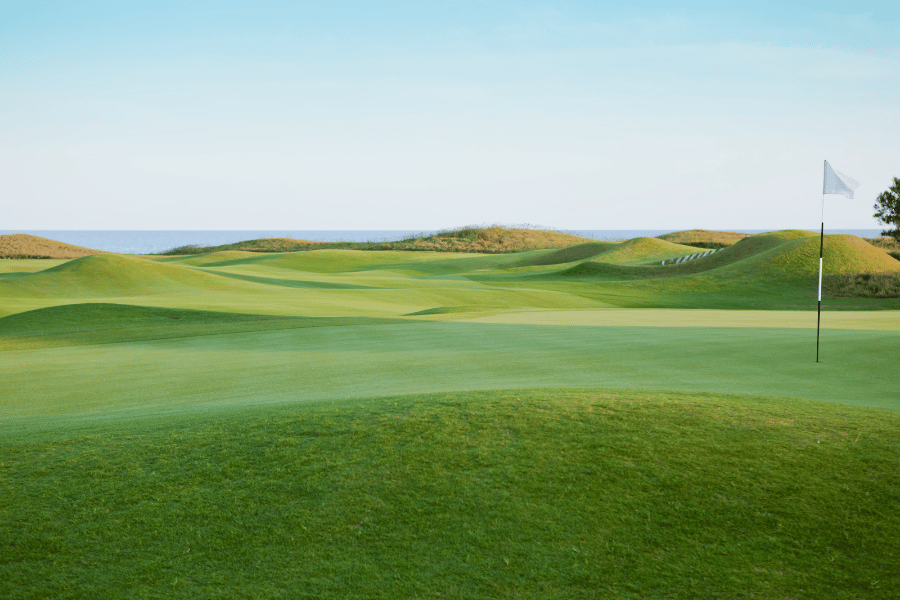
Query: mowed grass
[[524, 493], [349, 424]]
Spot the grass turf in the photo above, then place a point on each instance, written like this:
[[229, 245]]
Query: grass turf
[[239, 425], [542, 493]]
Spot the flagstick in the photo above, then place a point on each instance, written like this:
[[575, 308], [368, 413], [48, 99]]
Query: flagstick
[[821, 246]]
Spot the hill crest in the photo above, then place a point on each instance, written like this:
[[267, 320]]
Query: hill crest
[[23, 245]]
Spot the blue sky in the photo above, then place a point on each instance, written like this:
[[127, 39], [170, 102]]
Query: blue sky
[[402, 115]]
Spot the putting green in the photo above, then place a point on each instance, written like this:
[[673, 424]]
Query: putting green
[[359, 361]]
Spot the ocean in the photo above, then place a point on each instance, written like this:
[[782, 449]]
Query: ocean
[[151, 242]]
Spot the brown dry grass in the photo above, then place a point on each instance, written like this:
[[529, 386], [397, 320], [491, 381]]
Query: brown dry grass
[[485, 240], [885, 243], [862, 285], [21, 245]]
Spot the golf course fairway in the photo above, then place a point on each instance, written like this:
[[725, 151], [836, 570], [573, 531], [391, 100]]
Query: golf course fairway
[[582, 422]]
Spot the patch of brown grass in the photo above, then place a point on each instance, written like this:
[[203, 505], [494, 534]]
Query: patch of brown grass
[[888, 244], [22, 245], [885, 243], [862, 285], [494, 239], [484, 240]]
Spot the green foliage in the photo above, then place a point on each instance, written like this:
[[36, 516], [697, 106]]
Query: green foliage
[[887, 209]]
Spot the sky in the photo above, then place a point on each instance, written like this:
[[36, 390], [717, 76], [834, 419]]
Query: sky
[[208, 115]]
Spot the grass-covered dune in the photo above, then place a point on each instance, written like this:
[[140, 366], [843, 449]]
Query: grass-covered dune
[[577, 422], [103, 275], [487, 240]]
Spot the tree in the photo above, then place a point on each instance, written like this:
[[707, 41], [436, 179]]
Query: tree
[[887, 209]]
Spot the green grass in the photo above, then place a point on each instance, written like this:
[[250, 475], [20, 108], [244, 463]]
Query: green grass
[[545, 424], [299, 363], [99, 323], [537, 494]]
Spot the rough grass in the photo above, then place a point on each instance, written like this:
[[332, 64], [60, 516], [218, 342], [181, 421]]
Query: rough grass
[[885, 243], [862, 285], [486, 240], [528, 494], [22, 246]]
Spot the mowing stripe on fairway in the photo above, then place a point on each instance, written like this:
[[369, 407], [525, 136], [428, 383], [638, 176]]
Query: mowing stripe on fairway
[[675, 317]]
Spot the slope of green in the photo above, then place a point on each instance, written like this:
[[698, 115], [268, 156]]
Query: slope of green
[[289, 365], [331, 261], [209, 259], [644, 251], [570, 254], [10, 269], [109, 275], [103, 323], [294, 283], [527, 494]]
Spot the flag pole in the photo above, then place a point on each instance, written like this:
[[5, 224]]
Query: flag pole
[[833, 182], [821, 247]]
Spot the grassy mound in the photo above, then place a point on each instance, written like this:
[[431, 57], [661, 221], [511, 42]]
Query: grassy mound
[[326, 261], [109, 275], [765, 271], [211, 258], [702, 238], [528, 494], [21, 245], [571, 254], [644, 250], [842, 254], [104, 323]]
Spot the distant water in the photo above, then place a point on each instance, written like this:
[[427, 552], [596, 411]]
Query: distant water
[[151, 242]]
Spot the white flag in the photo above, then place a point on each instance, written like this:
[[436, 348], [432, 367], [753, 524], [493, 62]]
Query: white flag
[[838, 183]]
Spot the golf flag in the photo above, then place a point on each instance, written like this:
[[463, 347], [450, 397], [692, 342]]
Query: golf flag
[[835, 182], [838, 183]]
